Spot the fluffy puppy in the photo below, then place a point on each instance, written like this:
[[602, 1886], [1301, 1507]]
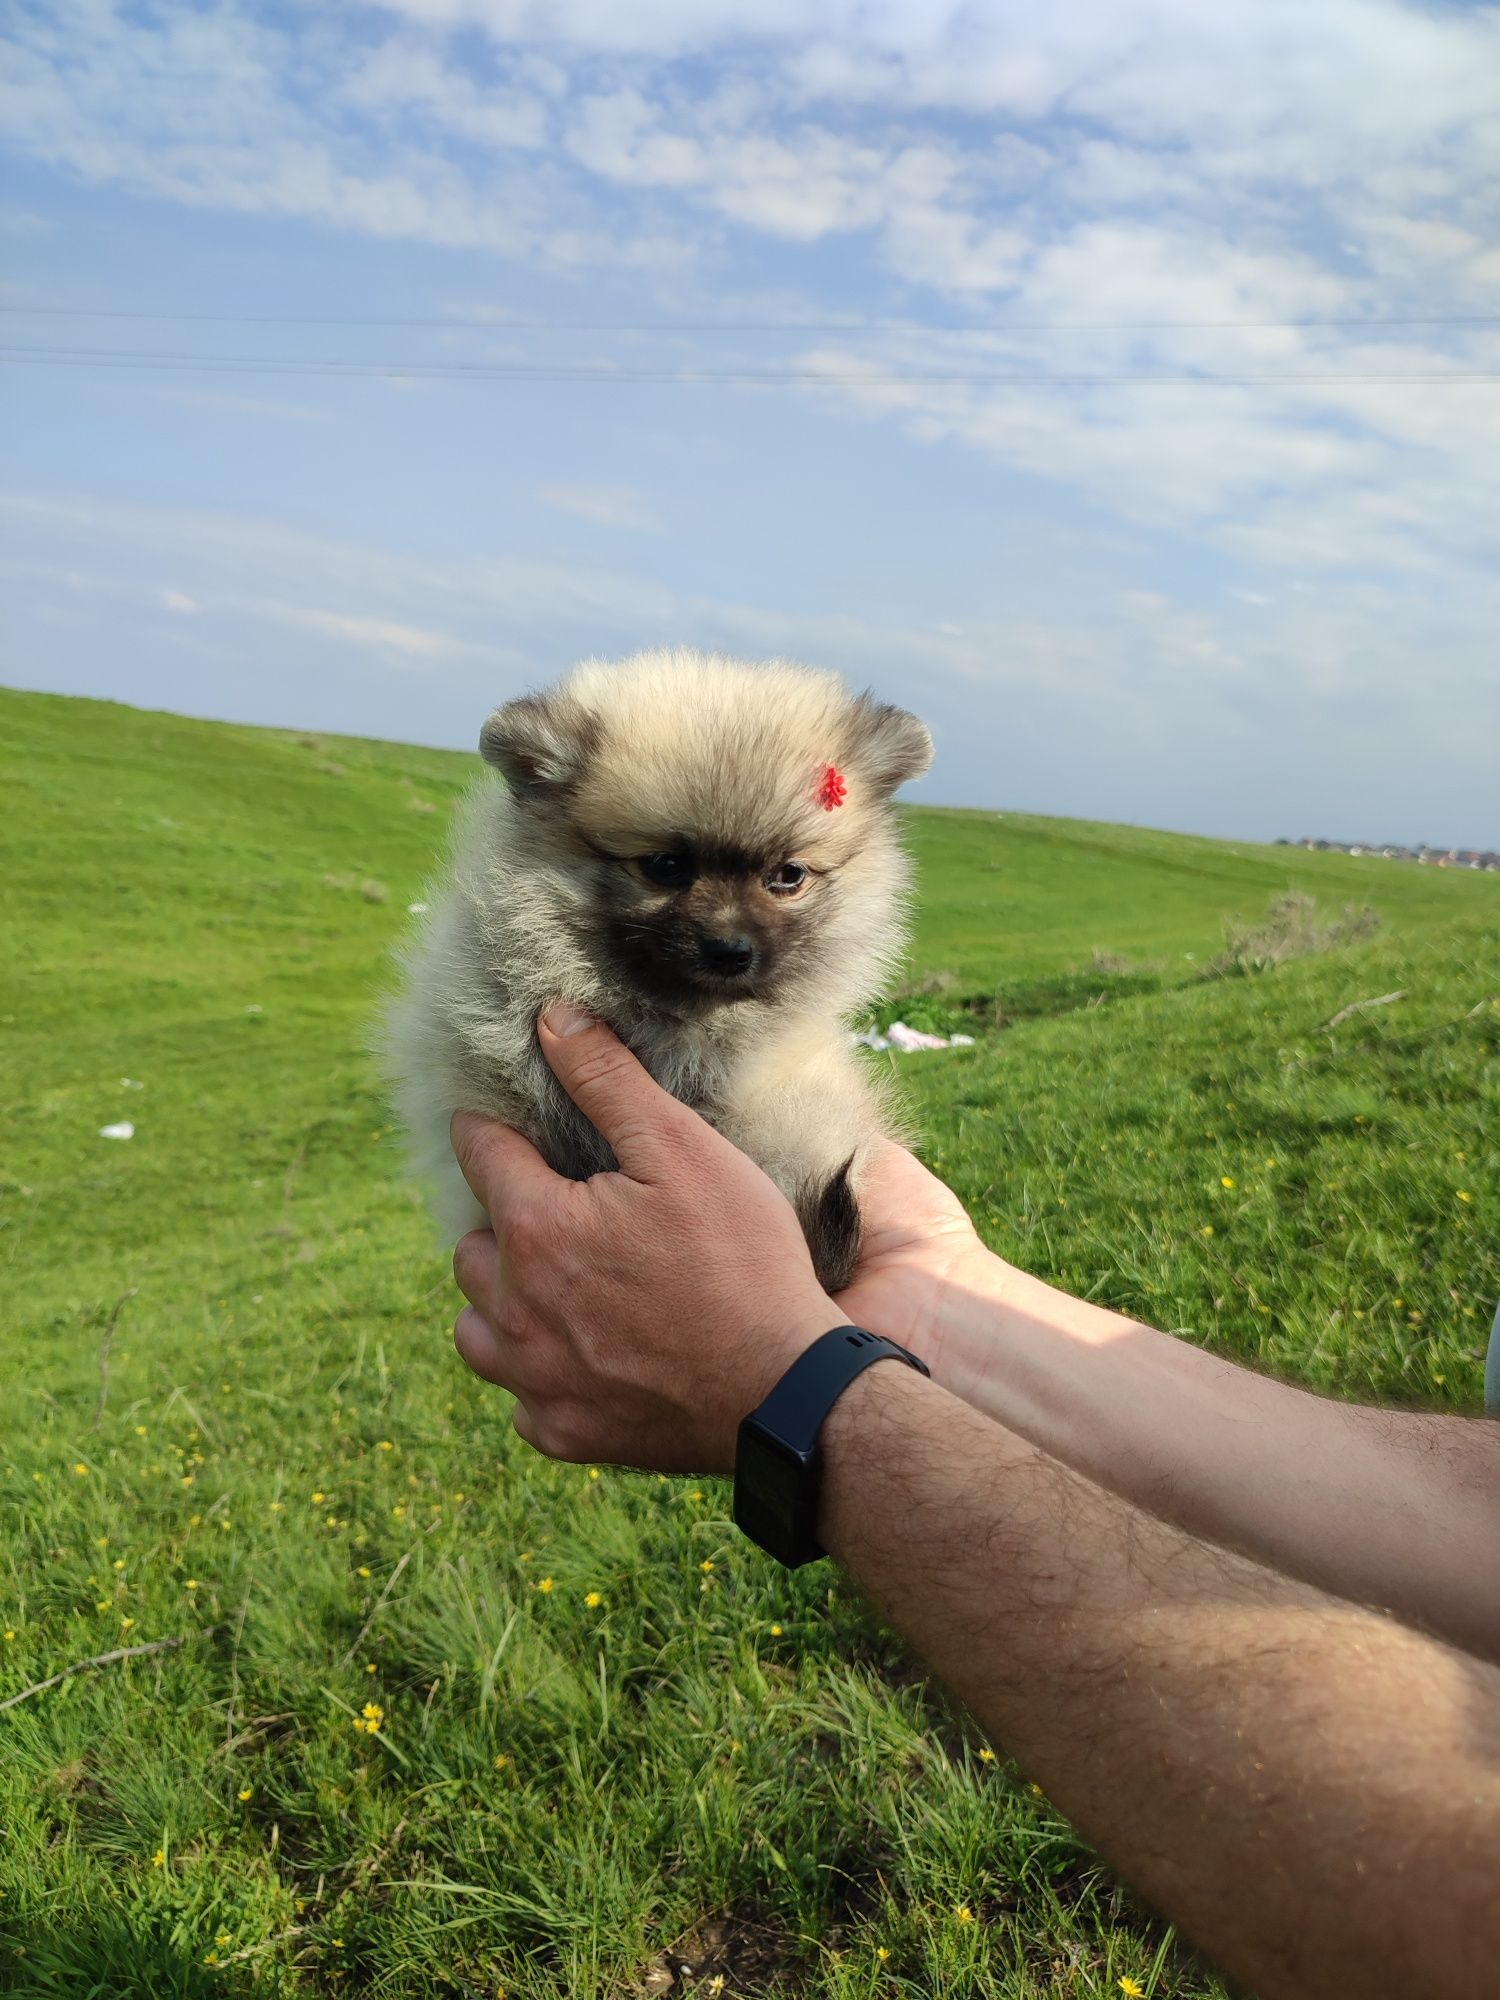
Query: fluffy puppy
[[703, 853]]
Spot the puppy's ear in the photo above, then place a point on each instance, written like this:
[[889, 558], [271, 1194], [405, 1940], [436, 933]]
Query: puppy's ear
[[539, 744], [887, 745]]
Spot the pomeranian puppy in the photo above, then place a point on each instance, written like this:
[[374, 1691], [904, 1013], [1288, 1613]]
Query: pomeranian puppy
[[703, 853]]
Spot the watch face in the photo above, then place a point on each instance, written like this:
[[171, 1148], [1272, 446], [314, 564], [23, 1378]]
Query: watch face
[[775, 1495], [770, 1474]]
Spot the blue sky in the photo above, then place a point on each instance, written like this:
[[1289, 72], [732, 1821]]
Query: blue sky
[[1101, 425]]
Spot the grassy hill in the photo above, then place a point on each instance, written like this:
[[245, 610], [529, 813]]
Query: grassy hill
[[235, 1418]]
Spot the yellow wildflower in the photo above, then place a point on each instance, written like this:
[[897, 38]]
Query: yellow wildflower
[[224, 1937], [593, 1472], [501, 1761], [775, 1631], [247, 1792], [593, 1600], [964, 1914], [125, 1625], [369, 1666], [882, 1952], [706, 1565], [1130, 1988], [318, 1499], [363, 1570], [159, 1858], [384, 1444], [102, 1605], [1464, 1196], [544, 1585], [191, 1584], [140, 1430], [10, 1633], [986, 1755], [1207, 1229], [373, 1713], [81, 1469], [1225, 1181]]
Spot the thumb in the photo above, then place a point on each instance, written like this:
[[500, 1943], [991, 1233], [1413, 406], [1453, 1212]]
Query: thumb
[[619, 1097]]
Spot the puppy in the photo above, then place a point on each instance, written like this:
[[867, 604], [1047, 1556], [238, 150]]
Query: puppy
[[704, 854]]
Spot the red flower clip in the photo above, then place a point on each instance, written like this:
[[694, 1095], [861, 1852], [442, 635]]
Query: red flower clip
[[832, 790]]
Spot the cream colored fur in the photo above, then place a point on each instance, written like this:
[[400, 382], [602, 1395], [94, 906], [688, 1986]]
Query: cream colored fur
[[628, 758]]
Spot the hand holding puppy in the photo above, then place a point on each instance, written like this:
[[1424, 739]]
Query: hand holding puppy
[[639, 1315]]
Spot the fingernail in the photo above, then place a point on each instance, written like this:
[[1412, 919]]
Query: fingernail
[[566, 1019]]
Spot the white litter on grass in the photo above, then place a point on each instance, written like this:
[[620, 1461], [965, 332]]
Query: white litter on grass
[[909, 1040], [416, 909], [124, 1130], [255, 1010], [129, 1083]]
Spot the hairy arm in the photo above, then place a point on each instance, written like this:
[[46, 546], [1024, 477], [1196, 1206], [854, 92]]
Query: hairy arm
[[1392, 1508], [1310, 1789]]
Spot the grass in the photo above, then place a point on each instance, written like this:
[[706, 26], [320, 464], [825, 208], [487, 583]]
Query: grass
[[612, 1739]]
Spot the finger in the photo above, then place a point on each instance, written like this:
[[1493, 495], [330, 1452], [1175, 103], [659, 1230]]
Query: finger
[[477, 1270], [483, 1349], [620, 1098], [504, 1170]]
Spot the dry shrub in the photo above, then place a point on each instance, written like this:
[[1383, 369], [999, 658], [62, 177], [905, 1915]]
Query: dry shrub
[[1293, 927]]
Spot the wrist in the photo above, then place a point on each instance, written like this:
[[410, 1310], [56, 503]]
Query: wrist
[[778, 1472]]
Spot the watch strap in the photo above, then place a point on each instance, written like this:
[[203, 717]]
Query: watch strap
[[798, 1406]]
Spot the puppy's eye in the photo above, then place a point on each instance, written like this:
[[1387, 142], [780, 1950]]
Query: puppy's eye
[[667, 871], [787, 879]]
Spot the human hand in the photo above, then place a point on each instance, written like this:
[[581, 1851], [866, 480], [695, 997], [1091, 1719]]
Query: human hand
[[637, 1316], [921, 1258]]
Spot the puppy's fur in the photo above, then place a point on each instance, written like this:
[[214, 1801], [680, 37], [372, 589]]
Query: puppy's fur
[[557, 893]]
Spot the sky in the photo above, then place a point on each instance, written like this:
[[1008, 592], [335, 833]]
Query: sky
[[1116, 384]]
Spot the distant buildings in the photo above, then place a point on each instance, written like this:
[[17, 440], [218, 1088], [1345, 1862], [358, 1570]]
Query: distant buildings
[[1426, 857]]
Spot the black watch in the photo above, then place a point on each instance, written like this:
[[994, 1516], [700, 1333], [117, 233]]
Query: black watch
[[778, 1468]]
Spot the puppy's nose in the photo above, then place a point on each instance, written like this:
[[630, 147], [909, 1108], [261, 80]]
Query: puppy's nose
[[729, 957]]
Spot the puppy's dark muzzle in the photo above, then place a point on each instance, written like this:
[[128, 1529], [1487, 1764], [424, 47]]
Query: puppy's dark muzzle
[[727, 958]]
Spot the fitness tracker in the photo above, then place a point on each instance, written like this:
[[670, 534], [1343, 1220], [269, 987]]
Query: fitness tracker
[[778, 1468]]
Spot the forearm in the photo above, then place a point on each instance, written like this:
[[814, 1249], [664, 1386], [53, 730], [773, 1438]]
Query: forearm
[[1390, 1508], [1307, 1788]]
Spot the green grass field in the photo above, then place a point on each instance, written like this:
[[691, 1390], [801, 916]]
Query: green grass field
[[616, 1750]]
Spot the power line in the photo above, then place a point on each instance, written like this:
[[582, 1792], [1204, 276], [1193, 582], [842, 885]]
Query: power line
[[730, 378], [852, 328]]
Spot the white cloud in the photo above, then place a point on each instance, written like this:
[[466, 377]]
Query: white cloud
[[380, 634], [179, 601], [611, 506]]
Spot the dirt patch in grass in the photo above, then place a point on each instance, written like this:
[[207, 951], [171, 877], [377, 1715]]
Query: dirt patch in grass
[[741, 1946]]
